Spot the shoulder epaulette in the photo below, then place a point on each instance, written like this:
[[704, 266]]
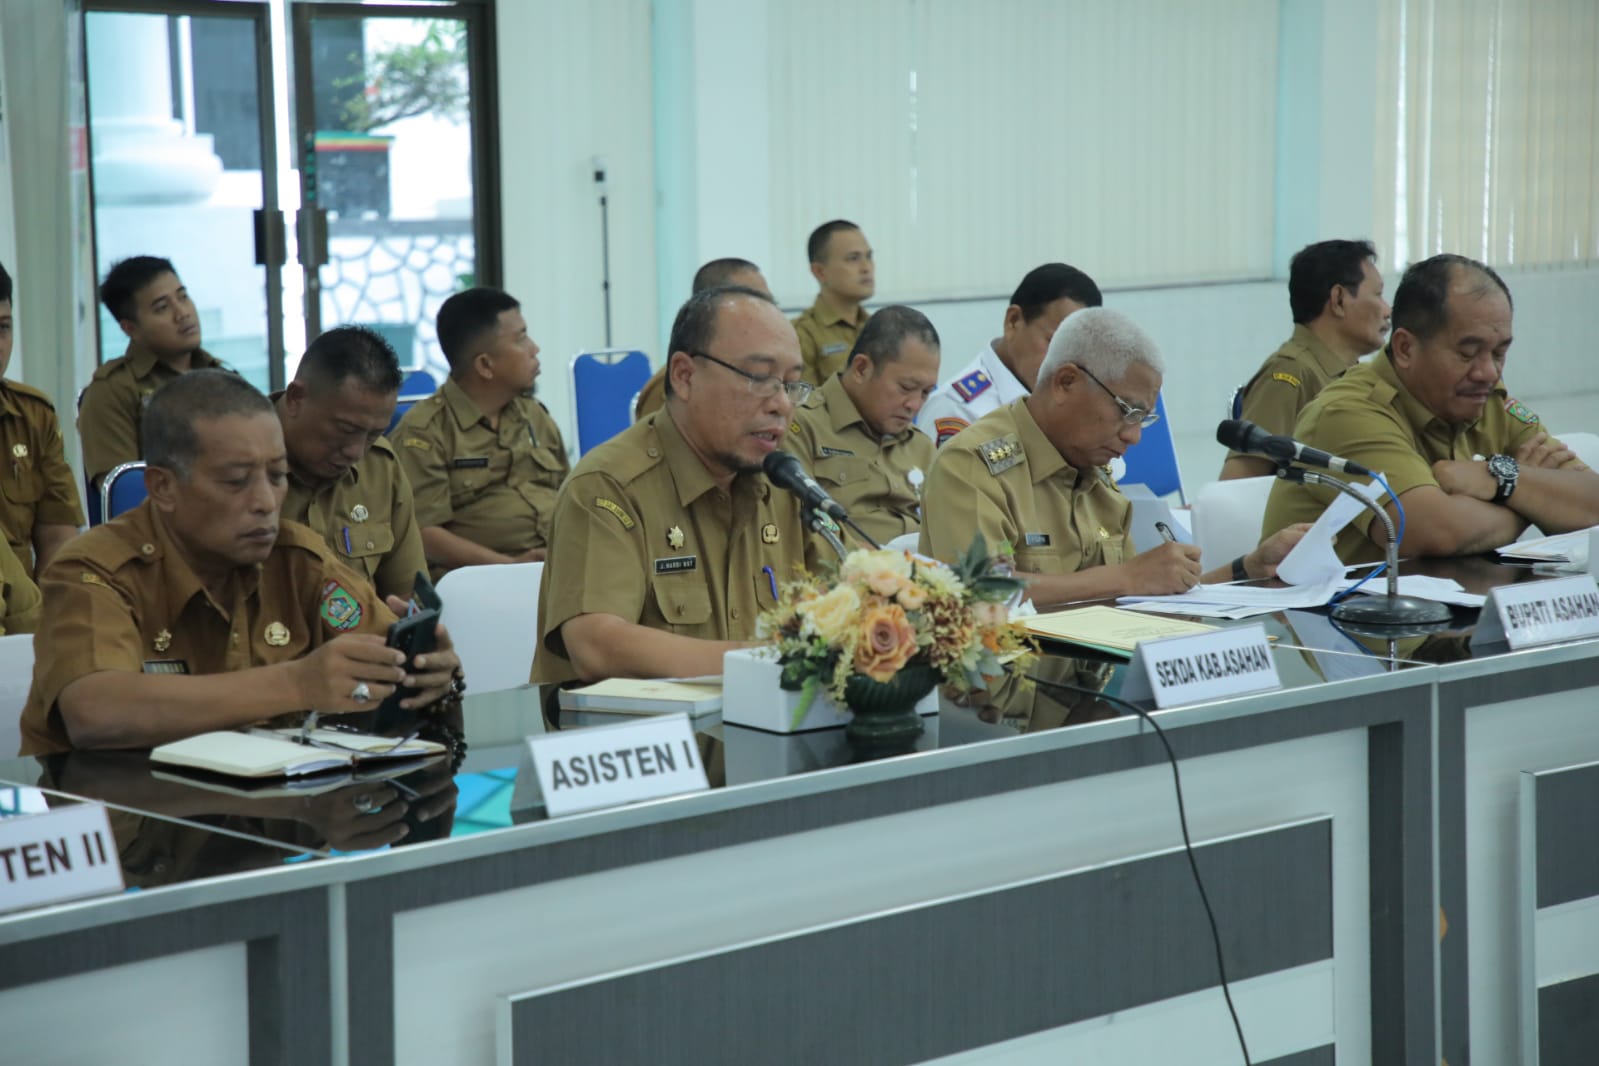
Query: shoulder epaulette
[[972, 385], [1001, 453], [31, 393]]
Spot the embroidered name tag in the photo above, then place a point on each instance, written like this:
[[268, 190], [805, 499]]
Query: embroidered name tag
[[833, 349], [836, 451], [1035, 540], [467, 464], [676, 564], [166, 666]]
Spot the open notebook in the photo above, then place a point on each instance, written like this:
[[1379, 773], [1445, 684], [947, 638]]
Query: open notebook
[[1108, 629], [260, 753]]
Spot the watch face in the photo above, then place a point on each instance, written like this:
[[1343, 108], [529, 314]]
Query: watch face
[[1503, 466]]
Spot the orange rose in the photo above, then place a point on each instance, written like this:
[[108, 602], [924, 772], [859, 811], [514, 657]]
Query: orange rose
[[887, 642]]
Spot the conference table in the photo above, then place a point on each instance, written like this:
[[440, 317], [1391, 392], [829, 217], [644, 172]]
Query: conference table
[[1396, 845]]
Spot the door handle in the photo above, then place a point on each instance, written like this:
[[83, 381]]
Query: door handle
[[313, 248], [270, 250]]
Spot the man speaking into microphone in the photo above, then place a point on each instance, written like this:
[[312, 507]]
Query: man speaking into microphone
[[668, 541], [1471, 465]]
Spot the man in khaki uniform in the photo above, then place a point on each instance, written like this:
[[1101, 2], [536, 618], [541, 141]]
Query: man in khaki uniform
[[668, 540], [39, 508], [19, 596], [1335, 293], [1471, 465], [730, 271], [345, 481], [857, 433], [163, 328], [1033, 475], [197, 610], [484, 458], [841, 263]]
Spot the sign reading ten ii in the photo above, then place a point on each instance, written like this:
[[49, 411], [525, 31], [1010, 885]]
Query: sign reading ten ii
[[63, 854]]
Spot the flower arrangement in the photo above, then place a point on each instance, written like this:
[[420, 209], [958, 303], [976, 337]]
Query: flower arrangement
[[885, 610]]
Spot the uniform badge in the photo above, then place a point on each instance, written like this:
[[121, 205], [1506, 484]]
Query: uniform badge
[[417, 442], [834, 349], [971, 386], [1104, 534], [829, 452], [19, 451], [1035, 540], [340, 609], [163, 640], [769, 534], [359, 513], [677, 564], [916, 477], [1286, 379], [793, 427], [948, 427], [1518, 410], [674, 537], [616, 509], [277, 634], [1001, 454]]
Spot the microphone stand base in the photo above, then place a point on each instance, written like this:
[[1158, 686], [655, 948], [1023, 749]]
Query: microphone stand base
[[1390, 611]]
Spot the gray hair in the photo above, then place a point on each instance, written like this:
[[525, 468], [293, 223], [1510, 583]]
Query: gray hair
[[1104, 342]]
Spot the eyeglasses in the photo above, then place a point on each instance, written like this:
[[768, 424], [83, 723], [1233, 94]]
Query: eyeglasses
[[765, 386], [1131, 416]]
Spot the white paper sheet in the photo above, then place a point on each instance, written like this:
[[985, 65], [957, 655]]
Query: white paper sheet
[[1442, 589], [1313, 559]]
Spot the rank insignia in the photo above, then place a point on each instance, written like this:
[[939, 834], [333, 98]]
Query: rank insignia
[[769, 534], [616, 509], [1001, 454], [971, 386], [359, 513], [163, 640], [340, 609], [1286, 379], [793, 427], [948, 427], [1518, 410], [277, 634], [417, 442], [674, 537], [19, 451]]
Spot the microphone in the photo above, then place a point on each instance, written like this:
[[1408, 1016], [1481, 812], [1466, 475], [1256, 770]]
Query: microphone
[[786, 472], [1243, 436]]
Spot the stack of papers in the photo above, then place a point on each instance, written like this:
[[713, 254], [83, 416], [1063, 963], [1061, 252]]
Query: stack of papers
[[1570, 549], [620, 695], [1441, 589], [1108, 628], [1232, 602]]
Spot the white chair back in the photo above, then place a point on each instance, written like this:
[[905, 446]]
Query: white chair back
[[1227, 517], [492, 613], [16, 675], [1586, 445]]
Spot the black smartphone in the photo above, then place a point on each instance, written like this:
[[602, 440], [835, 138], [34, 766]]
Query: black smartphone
[[415, 634]]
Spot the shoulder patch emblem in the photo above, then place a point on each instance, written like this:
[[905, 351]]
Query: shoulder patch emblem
[[340, 609], [1286, 379], [972, 385], [417, 442], [1001, 454], [1518, 410], [616, 509], [948, 427]]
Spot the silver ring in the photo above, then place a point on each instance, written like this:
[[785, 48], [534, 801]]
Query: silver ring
[[361, 694], [363, 802]]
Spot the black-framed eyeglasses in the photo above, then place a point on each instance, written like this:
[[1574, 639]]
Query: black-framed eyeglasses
[[764, 385], [1131, 416]]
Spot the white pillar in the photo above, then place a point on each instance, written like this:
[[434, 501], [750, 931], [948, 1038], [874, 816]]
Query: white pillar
[[141, 153]]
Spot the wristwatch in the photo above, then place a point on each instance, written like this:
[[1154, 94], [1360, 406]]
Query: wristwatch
[[1505, 470]]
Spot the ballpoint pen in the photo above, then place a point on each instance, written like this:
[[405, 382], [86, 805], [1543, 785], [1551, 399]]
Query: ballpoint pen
[[771, 579], [1165, 532]]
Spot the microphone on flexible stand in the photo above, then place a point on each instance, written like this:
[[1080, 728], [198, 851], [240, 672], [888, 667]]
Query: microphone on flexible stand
[[1390, 609], [786, 472]]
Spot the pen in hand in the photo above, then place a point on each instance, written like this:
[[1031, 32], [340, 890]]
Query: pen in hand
[[1165, 532]]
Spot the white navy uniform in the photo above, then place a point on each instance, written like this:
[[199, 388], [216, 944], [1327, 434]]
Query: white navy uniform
[[983, 385]]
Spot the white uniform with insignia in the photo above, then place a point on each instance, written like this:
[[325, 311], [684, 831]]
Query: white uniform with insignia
[[983, 385]]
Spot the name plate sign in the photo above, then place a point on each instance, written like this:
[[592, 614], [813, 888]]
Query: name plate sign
[[1531, 613], [605, 766], [64, 854], [1205, 666]]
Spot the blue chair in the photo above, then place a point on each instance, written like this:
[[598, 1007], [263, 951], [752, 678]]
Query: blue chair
[[1152, 462], [418, 385], [604, 384], [91, 497], [122, 489], [1235, 409]]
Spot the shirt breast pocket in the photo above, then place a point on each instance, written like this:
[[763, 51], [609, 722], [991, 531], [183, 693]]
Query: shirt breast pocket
[[838, 470], [467, 483], [369, 543], [1038, 561], [683, 600], [21, 484]]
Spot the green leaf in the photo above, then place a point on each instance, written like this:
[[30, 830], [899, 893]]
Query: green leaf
[[807, 694]]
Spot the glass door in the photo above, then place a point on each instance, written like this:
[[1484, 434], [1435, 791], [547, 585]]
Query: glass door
[[392, 124], [182, 166]]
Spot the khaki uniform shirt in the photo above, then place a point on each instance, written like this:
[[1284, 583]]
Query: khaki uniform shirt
[[368, 518], [643, 533], [1370, 417], [113, 406], [1288, 380], [37, 487], [877, 479], [826, 338], [494, 487], [122, 597], [1003, 478], [19, 596], [652, 397]]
